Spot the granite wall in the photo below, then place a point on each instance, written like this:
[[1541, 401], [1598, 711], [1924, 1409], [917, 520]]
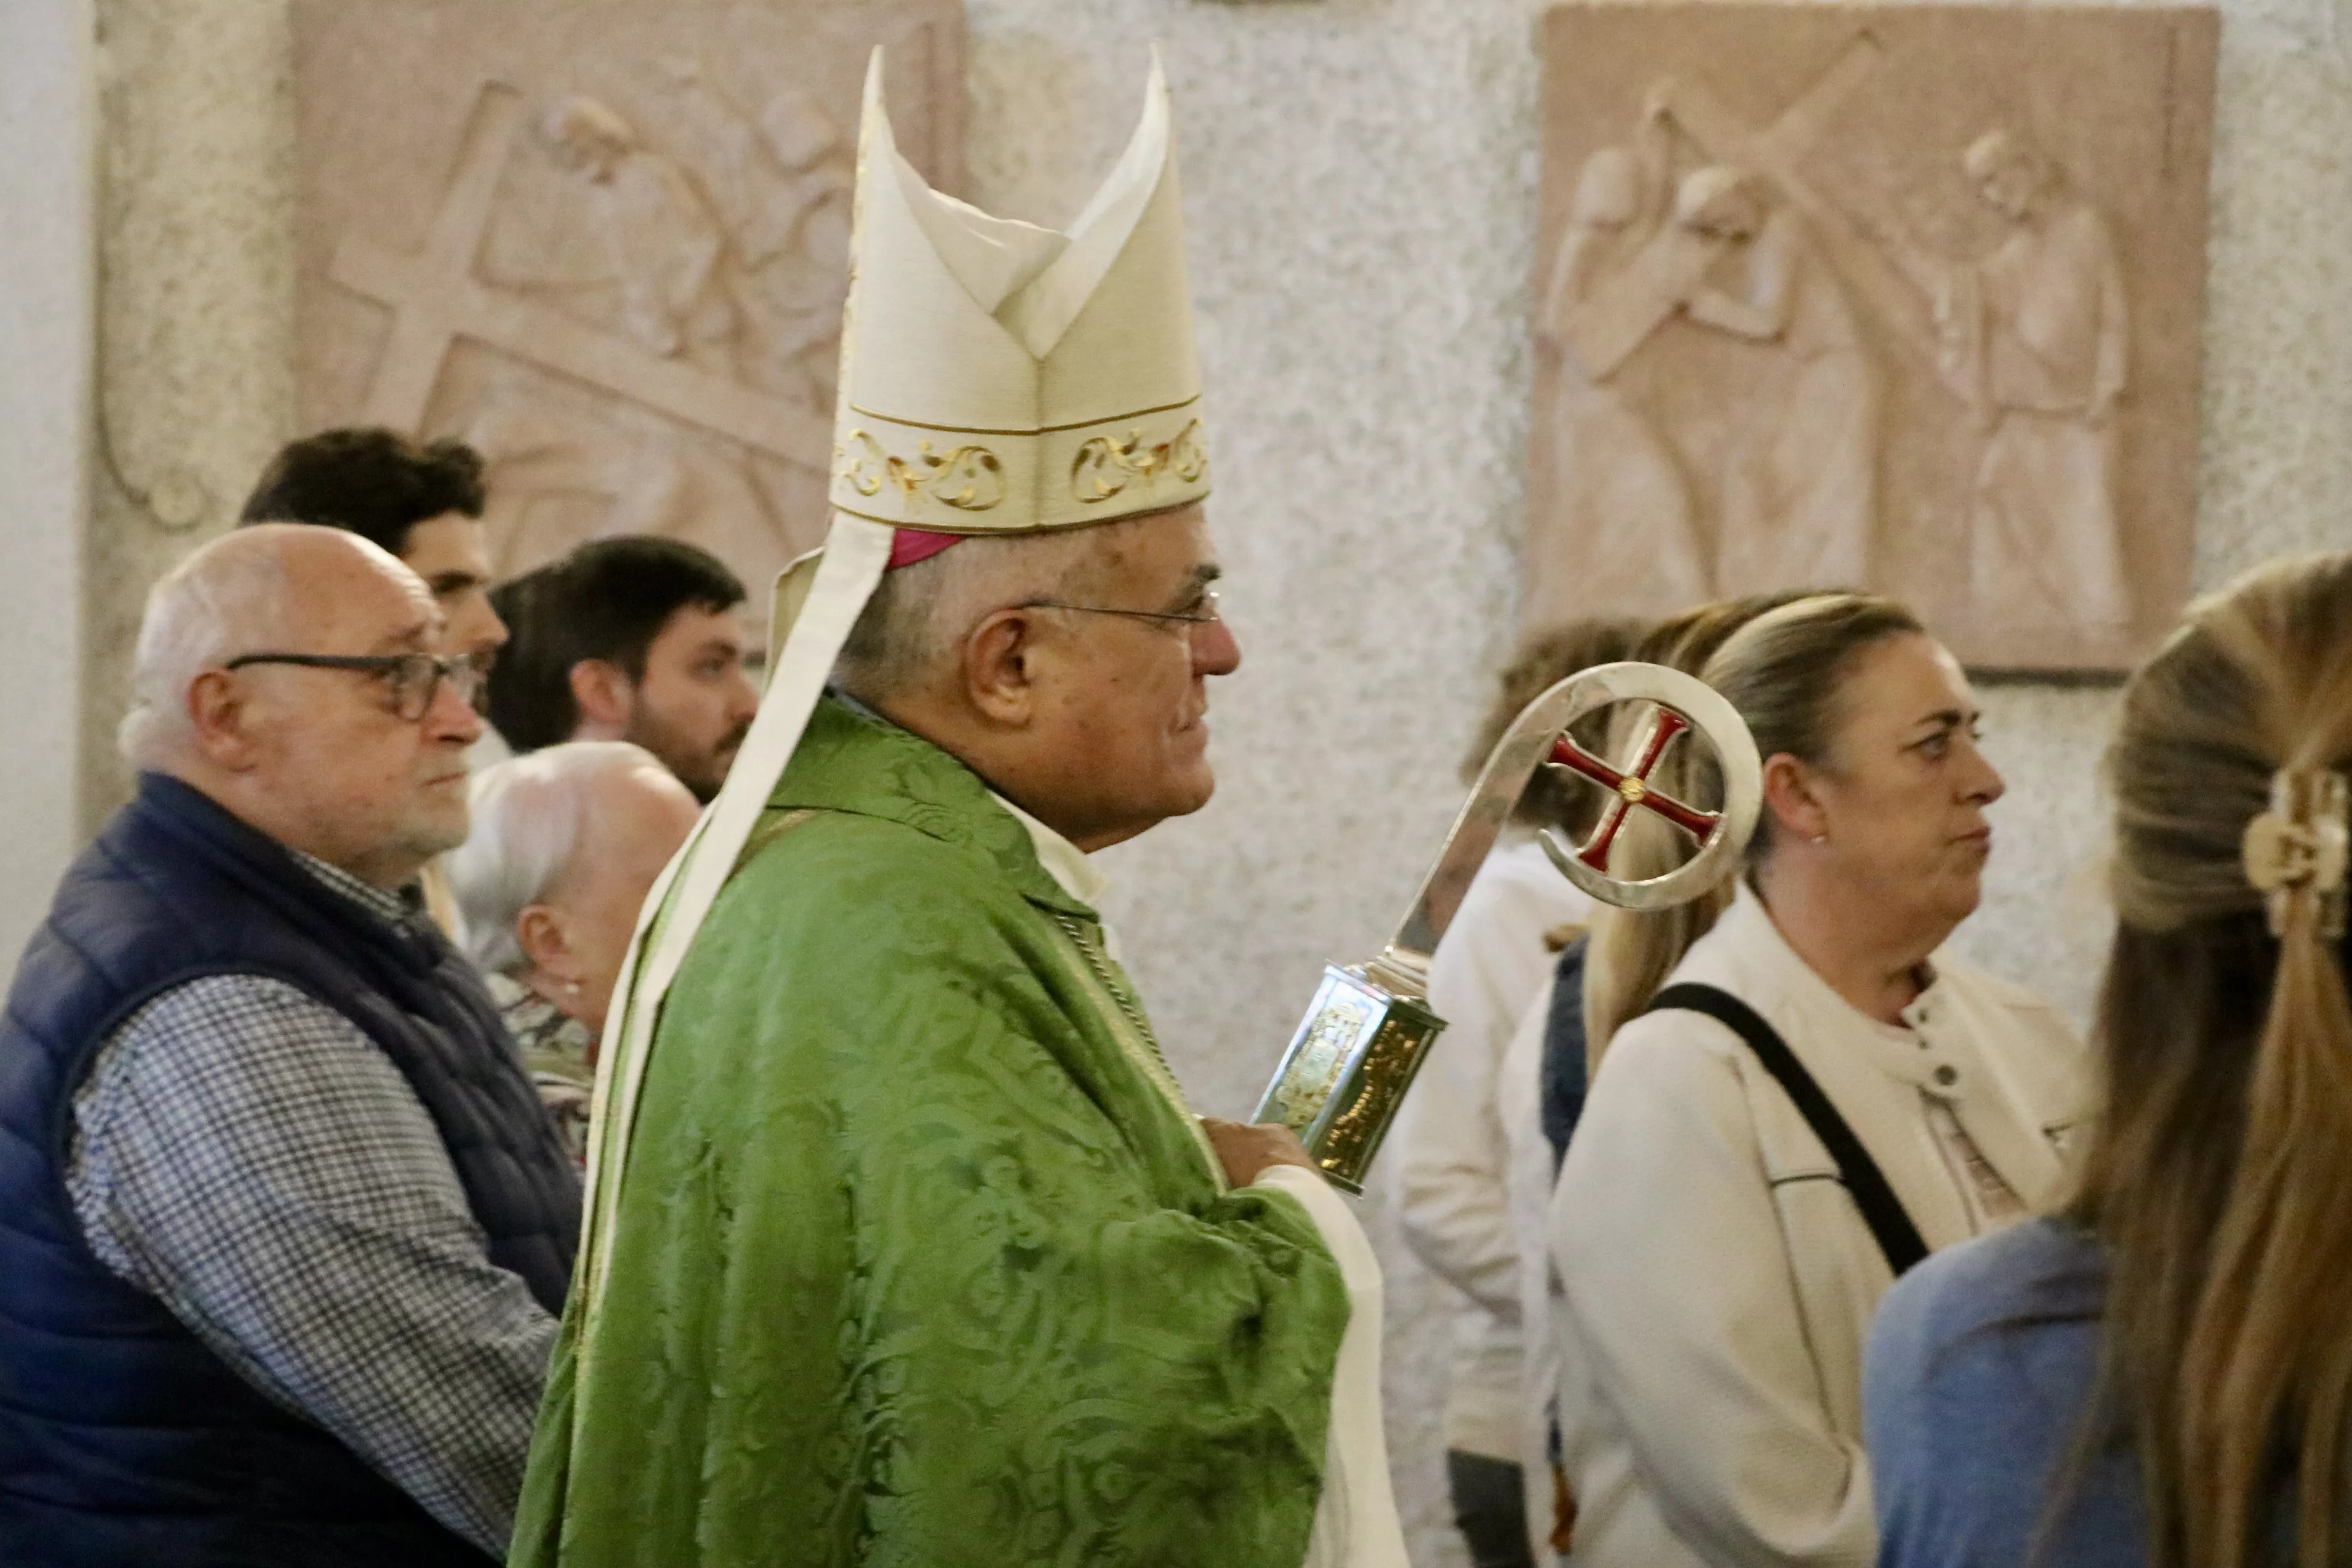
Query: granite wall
[[1360, 179], [45, 289]]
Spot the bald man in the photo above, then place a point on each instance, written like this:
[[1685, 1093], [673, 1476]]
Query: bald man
[[284, 1230]]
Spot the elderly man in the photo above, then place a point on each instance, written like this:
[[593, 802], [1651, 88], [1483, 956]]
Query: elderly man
[[283, 1228], [629, 639], [567, 841], [905, 1246]]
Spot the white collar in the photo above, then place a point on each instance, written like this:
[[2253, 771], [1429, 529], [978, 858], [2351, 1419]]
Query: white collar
[[1062, 860], [382, 902], [1751, 925], [1912, 1051]]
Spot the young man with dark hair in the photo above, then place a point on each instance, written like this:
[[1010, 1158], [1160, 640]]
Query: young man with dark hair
[[529, 698], [629, 639], [422, 502]]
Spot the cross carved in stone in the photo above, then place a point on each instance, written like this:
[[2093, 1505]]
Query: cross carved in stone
[[436, 300], [1899, 302], [1639, 298]]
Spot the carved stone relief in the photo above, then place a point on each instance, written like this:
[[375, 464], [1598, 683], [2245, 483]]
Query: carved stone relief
[[1903, 297], [607, 243]]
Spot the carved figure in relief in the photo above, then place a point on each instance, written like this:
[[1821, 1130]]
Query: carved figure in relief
[[2035, 338], [1612, 478], [1798, 469], [780, 180], [660, 236], [675, 286]]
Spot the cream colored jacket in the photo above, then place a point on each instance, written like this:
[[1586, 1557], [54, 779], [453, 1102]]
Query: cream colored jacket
[[1719, 1282]]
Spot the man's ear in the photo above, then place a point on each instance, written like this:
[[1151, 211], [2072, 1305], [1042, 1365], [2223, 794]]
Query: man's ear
[[603, 693], [1796, 812], [999, 666], [539, 932], [223, 718]]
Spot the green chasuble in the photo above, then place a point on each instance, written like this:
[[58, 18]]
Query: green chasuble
[[919, 1258]]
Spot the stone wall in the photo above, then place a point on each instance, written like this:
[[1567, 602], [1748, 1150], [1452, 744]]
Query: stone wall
[[46, 122], [1361, 184]]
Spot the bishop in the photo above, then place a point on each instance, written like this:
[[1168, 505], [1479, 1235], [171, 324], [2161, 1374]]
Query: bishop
[[904, 1245]]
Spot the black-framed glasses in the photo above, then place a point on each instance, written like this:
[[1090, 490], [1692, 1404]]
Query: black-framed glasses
[[413, 680], [1204, 616]]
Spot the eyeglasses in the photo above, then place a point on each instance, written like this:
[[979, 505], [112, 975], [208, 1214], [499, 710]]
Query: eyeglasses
[[413, 680], [1204, 616]]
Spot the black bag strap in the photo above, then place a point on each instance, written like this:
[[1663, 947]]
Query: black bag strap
[[1897, 1237]]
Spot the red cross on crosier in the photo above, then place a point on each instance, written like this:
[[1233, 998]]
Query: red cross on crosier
[[1633, 788]]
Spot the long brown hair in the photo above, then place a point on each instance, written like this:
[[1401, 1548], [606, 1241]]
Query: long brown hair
[[1632, 953], [2219, 1178]]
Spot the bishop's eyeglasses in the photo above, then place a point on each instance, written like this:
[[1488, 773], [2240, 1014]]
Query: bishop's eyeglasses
[[413, 680], [1204, 613]]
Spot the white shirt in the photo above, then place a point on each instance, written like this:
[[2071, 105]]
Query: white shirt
[[1719, 1280], [1449, 1137]]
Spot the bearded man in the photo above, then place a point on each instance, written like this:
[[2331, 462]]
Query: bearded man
[[629, 639], [905, 1247]]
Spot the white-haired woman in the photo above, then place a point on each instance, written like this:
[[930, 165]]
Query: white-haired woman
[[1817, 1098], [566, 843]]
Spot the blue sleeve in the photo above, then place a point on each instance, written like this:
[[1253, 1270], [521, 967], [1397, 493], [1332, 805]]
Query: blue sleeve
[[1980, 1364], [1896, 1429]]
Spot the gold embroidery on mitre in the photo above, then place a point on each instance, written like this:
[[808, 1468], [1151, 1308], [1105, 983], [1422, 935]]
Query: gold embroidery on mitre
[[1106, 466], [969, 478]]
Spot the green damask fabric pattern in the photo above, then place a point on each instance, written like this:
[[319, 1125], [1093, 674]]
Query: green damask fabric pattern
[[915, 1265]]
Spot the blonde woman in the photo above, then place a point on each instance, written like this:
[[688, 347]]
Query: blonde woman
[[1819, 1096], [2163, 1374]]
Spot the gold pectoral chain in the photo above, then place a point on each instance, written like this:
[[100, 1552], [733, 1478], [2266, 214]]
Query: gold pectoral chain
[[1151, 1061], [1120, 998]]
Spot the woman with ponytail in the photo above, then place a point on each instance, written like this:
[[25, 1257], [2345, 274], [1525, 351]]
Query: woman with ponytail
[[1815, 1098], [2163, 1373]]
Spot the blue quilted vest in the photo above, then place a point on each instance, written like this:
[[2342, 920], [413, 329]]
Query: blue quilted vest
[[124, 1440]]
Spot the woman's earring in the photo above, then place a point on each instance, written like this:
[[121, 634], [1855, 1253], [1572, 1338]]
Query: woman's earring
[[1818, 838], [571, 987]]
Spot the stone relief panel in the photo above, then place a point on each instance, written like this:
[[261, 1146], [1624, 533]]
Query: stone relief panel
[[1906, 298], [605, 244]]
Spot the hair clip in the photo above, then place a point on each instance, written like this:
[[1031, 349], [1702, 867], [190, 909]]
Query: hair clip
[[2300, 846]]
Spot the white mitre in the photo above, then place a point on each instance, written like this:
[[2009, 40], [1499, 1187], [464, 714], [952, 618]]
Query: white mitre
[[999, 377], [996, 377]]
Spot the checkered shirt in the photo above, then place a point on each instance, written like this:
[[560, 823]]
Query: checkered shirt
[[247, 1155]]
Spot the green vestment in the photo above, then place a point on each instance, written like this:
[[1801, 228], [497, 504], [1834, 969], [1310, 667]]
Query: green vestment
[[919, 1260]]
